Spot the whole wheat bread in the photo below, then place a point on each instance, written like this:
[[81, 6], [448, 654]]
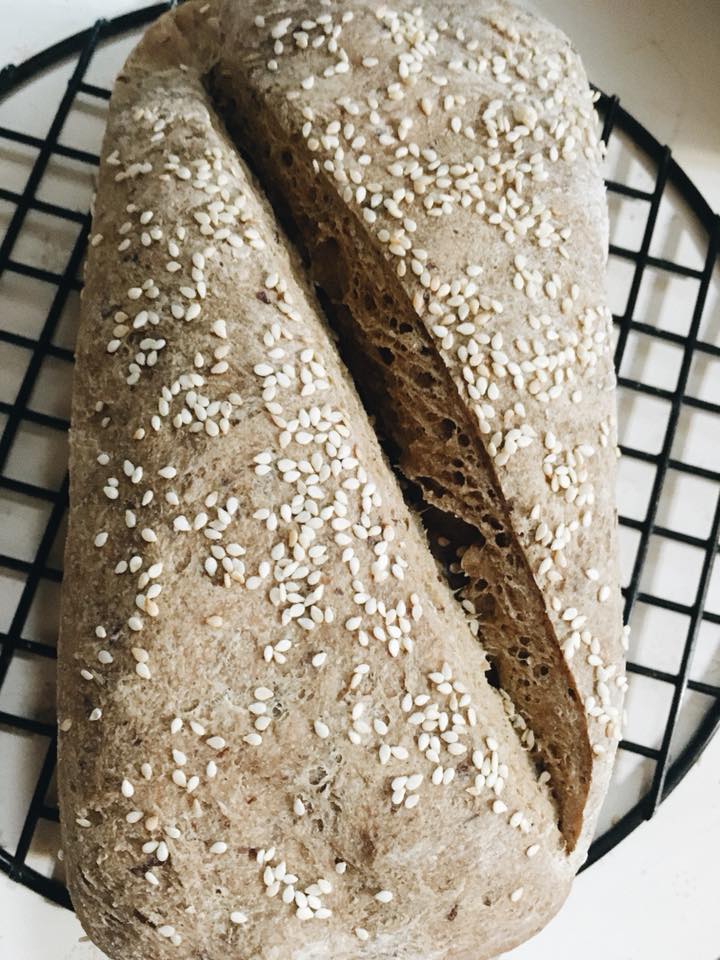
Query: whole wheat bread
[[277, 735]]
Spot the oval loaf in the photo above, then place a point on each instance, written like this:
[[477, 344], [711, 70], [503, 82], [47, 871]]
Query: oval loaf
[[304, 711]]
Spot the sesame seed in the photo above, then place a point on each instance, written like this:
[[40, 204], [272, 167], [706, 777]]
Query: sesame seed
[[280, 28], [384, 896], [321, 729], [179, 778]]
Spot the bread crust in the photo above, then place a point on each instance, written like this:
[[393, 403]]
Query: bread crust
[[219, 452]]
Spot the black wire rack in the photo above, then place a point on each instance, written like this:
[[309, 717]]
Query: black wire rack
[[668, 770]]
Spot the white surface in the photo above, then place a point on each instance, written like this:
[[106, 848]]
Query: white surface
[[660, 886]]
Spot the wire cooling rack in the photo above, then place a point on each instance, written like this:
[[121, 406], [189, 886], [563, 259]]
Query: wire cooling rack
[[664, 245]]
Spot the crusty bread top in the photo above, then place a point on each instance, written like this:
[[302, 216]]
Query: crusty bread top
[[464, 140], [276, 736]]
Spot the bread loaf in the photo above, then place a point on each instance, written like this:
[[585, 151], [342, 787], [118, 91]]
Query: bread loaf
[[278, 733]]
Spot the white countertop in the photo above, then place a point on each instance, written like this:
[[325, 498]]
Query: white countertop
[[655, 897]]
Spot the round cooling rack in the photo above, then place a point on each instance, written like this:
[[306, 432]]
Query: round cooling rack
[[665, 296]]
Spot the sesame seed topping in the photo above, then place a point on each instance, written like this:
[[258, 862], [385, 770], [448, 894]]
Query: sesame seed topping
[[321, 729], [313, 506]]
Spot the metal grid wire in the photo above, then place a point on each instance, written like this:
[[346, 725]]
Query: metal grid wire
[[668, 772]]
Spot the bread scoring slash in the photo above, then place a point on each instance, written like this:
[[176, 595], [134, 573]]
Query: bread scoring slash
[[277, 733]]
